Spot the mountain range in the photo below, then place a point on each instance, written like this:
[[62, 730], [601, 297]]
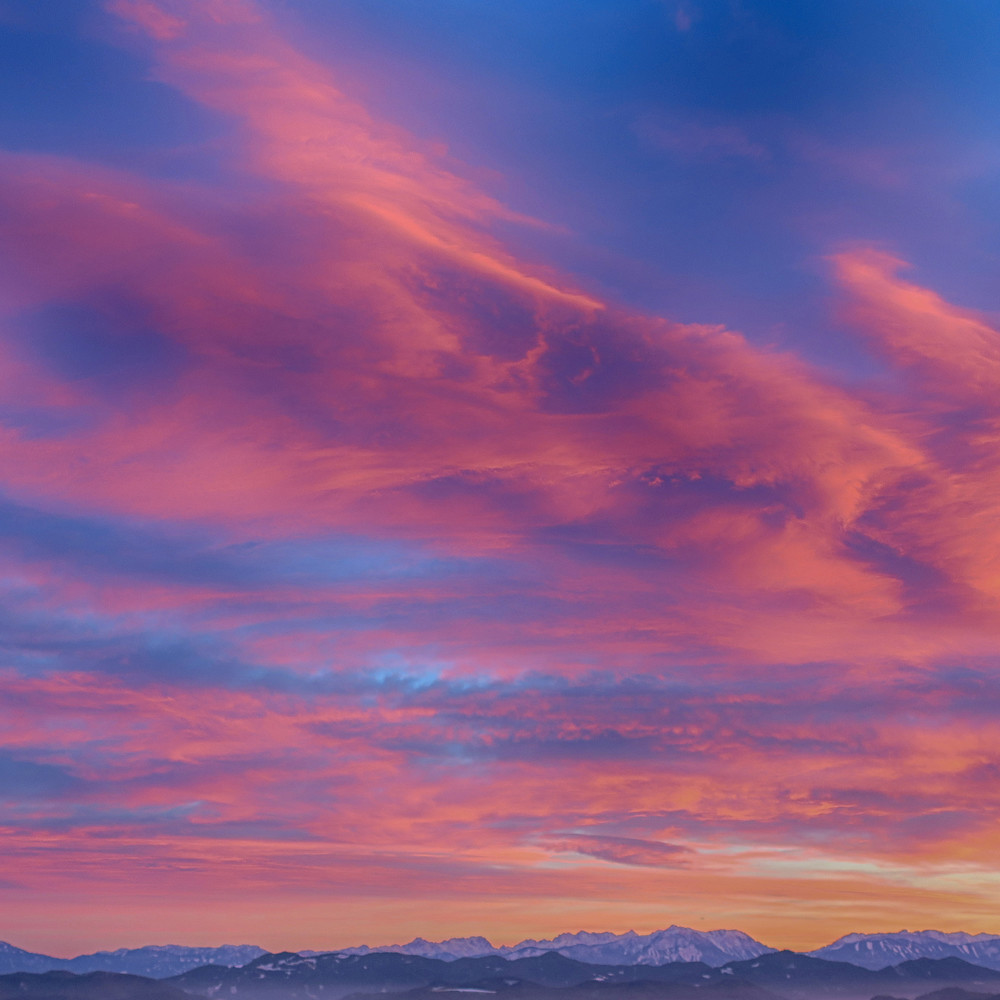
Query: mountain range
[[780, 975], [551, 976], [674, 944], [875, 951], [62, 985], [671, 945], [785, 975], [715, 948], [152, 961]]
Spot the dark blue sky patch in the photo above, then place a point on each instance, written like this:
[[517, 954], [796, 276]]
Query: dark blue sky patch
[[26, 780], [69, 90], [125, 549], [109, 342]]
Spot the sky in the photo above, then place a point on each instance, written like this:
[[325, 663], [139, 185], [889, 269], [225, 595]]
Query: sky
[[479, 467]]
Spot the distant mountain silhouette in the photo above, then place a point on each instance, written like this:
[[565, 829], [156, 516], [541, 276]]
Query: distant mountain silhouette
[[60, 985], [956, 993], [783, 974], [956, 969], [876, 951], [154, 961], [673, 944], [664, 948], [804, 977]]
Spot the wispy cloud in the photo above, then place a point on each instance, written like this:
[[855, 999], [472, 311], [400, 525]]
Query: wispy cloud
[[620, 850]]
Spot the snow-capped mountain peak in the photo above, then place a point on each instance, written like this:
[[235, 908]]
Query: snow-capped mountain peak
[[673, 944], [448, 950], [716, 948], [876, 951]]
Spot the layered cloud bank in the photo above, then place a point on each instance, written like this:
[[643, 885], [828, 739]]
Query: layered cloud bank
[[360, 569]]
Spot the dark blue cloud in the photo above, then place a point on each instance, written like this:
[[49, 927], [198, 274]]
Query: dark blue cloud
[[109, 342], [151, 551], [23, 780]]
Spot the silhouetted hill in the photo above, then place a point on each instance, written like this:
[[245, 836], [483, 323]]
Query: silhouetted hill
[[672, 944], [802, 977], [340, 975], [954, 969], [786, 974], [61, 985], [289, 976]]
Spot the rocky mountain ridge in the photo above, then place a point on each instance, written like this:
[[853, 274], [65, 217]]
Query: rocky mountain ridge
[[673, 944], [152, 961], [664, 947], [784, 975], [876, 951], [288, 976]]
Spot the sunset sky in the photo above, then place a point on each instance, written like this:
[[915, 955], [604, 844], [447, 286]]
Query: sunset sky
[[498, 467]]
